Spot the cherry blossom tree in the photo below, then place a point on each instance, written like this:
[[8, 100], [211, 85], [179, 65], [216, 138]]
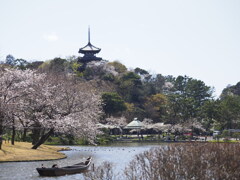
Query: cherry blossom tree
[[48, 104], [69, 107], [117, 122], [14, 85]]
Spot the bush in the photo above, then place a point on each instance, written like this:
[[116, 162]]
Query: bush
[[105, 138], [103, 172], [187, 161], [183, 161]]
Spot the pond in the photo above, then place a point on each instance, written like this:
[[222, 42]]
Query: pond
[[118, 154]]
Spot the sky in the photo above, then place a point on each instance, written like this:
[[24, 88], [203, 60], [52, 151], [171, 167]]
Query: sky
[[197, 38]]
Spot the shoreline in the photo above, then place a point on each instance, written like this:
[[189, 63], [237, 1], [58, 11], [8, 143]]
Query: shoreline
[[22, 152]]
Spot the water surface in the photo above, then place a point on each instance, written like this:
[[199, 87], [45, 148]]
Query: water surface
[[118, 154]]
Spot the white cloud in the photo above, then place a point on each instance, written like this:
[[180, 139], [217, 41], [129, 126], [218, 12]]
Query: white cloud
[[51, 37]]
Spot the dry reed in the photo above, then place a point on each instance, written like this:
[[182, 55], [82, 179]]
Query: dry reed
[[189, 161]]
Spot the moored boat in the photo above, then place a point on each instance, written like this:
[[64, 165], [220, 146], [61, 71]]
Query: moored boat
[[60, 171]]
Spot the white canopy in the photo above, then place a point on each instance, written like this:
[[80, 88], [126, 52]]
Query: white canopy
[[135, 124]]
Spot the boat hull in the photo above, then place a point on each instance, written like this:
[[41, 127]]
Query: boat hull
[[76, 168], [60, 171]]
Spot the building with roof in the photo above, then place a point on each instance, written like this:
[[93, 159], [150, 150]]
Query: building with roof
[[135, 124], [89, 52]]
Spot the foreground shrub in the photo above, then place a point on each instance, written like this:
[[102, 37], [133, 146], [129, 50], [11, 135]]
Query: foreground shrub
[[196, 161], [103, 172], [186, 161]]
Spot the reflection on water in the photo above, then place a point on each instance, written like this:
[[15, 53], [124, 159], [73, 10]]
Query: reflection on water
[[118, 154]]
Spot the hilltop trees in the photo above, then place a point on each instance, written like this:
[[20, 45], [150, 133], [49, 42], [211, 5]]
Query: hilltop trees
[[229, 107], [56, 95], [57, 65], [112, 103], [231, 90], [156, 107], [10, 60], [20, 63], [119, 68], [222, 113], [130, 87], [187, 97], [229, 112]]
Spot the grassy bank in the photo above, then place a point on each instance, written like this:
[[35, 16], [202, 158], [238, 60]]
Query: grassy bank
[[22, 151]]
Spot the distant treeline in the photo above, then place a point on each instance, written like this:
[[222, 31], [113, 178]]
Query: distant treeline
[[137, 93]]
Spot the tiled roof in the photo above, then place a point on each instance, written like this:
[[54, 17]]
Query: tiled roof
[[89, 48]]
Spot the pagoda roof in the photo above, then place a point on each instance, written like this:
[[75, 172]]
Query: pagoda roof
[[89, 48]]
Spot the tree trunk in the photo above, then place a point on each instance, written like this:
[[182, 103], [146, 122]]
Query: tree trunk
[[36, 134], [1, 132], [0, 142], [43, 139], [24, 135], [13, 135]]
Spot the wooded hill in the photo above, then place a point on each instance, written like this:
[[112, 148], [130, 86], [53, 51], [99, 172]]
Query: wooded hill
[[135, 92]]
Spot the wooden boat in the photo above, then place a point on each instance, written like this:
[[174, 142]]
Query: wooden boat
[[60, 171]]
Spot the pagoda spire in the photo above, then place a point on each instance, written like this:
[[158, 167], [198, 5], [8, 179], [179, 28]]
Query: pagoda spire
[[88, 34], [89, 51]]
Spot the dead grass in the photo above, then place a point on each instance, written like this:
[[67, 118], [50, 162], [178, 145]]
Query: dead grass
[[188, 161], [22, 151]]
